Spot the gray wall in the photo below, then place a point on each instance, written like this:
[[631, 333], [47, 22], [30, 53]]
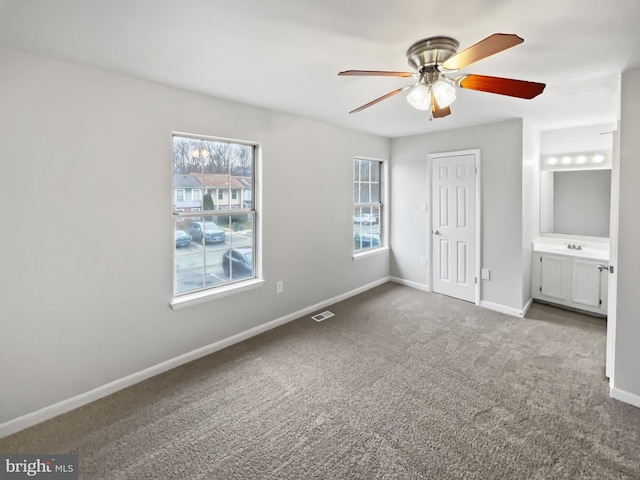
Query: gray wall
[[530, 202], [501, 147], [627, 349], [86, 255]]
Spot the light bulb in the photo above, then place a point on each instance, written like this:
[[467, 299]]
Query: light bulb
[[598, 158], [444, 92], [420, 97], [552, 161]]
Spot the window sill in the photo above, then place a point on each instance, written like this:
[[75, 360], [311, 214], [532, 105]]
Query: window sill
[[214, 293], [370, 253]]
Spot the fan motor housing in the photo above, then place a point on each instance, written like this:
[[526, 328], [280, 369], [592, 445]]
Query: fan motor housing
[[431, 51]]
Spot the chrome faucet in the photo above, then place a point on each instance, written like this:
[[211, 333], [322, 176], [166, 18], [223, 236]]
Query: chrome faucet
[[574, 246]]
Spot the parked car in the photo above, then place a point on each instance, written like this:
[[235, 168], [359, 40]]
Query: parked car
[[238, 261], [206, 232], [183, 239], [366, 240], [365, 219]]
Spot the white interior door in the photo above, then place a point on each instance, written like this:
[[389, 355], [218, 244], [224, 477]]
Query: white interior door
[[453, 225]]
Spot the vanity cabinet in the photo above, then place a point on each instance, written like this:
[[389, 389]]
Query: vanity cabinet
[[569, 281]]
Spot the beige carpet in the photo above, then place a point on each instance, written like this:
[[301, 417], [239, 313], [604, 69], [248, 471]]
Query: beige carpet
[[399, 384]]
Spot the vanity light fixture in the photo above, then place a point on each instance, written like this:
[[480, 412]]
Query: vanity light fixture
[[582, 160]]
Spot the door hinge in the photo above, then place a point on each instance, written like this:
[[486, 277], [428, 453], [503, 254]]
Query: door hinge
[[540, 259], [476, 279], [540, 288], [600, 302], [611, 268]]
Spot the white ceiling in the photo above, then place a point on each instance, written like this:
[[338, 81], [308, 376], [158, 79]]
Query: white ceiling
[[285, 54]]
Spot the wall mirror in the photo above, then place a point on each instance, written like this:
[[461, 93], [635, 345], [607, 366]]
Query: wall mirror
[[575, 201]]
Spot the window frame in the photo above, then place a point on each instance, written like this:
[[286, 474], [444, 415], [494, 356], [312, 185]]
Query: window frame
[[382, 204], [180, 300]]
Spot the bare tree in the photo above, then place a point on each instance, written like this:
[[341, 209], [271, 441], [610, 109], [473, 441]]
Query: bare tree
[[193, 156], [241, 160]]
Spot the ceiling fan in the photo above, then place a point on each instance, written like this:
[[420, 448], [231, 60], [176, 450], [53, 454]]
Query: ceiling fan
[[435, 58]]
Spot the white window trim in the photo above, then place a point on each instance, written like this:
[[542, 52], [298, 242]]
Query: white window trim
[[203, 296], [215, 293], [362, 254], [184, 194], [384, 214]]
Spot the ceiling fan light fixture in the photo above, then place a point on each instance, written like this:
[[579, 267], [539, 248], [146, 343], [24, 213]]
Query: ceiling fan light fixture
[[432, 58], [444, 92], [420, 97]]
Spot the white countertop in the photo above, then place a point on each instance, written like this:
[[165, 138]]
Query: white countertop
[[558, 246]]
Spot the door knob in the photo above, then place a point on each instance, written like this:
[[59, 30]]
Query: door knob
[[436, 232]]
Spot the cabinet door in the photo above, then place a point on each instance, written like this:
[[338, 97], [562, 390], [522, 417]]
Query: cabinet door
[[553, 276], [586, 283]]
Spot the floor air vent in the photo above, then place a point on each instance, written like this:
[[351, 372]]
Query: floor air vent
[[323, 316]]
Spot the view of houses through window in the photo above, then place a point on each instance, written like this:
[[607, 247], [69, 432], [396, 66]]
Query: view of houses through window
[[213, 211], [367, 204]]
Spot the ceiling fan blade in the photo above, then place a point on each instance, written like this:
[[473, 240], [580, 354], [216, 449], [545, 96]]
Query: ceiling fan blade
[[484, 48], [379, 99], [436, 111], [376, 73], [501, 86]]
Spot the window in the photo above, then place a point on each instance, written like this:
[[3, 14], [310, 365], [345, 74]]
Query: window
[[213, 246], [367, 204], [179, 195]]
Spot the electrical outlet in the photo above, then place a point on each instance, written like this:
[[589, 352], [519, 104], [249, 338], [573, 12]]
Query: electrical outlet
[[423, 261], [279, 286], [486, 274]]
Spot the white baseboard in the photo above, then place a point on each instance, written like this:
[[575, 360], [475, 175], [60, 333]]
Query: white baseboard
[[624, 396], [64, 406], [483, 303], [514, 312], [409, 283], [527, 306]]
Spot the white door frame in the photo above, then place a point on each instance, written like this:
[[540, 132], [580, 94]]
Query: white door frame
[[478, 211], [612, 276]]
